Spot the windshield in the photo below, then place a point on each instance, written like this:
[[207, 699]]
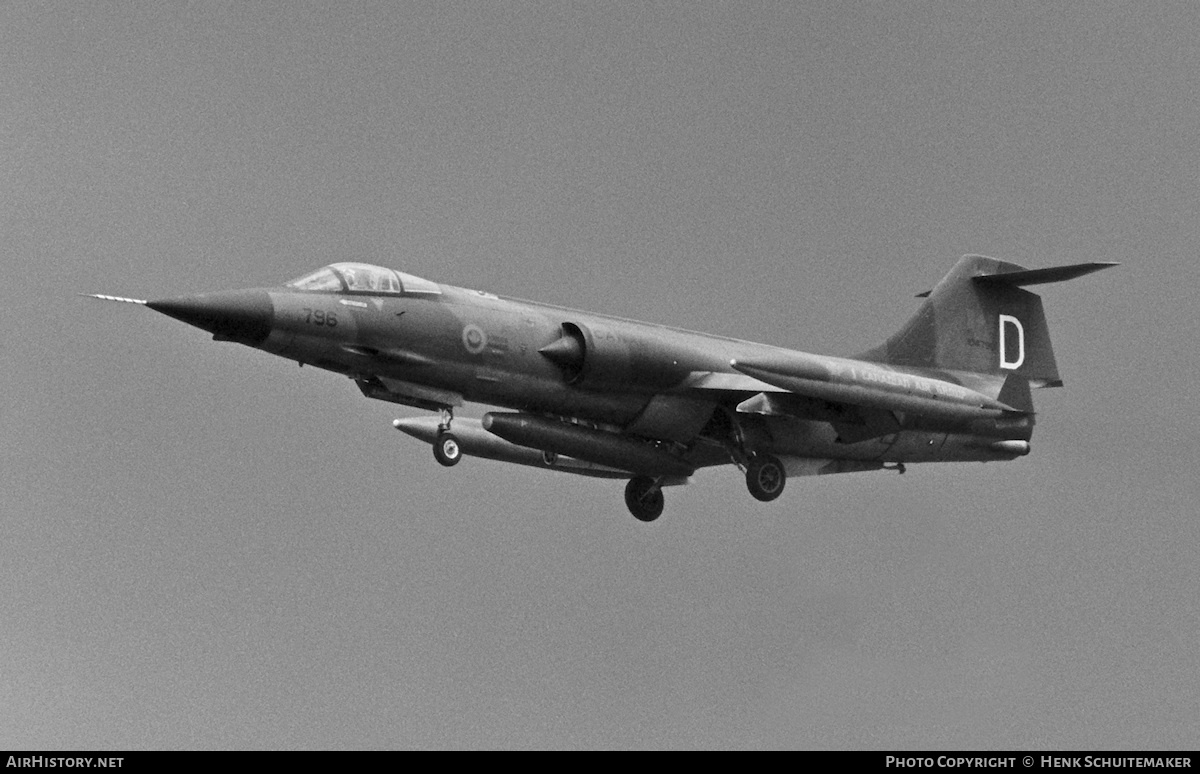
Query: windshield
[[321, 279], [363, 278]]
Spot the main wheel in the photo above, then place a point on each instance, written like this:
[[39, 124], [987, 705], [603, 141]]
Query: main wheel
[[765, 477], [446, 449], [644, 500]]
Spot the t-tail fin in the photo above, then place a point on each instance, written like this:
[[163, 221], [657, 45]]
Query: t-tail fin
[[978, 319]]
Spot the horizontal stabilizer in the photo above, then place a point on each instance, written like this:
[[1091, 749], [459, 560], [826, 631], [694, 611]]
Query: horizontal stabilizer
[[1042, 276]]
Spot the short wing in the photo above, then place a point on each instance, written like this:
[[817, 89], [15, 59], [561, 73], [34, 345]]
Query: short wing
[[861, 400], [854, 423]]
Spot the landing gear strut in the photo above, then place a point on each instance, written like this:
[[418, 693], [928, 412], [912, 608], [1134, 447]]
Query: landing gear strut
[[765, 477], [644, 498], [446, 449]]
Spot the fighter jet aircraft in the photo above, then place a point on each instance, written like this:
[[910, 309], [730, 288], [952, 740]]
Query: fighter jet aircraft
[[602, 396]]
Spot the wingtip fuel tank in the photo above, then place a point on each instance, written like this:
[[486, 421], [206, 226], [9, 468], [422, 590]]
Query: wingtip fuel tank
[[477, 442]]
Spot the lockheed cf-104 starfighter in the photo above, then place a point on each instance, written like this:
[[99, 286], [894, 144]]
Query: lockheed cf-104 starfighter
[[601, 396]]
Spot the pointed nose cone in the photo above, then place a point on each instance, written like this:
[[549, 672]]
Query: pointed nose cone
[[244, 316], [422, 428]]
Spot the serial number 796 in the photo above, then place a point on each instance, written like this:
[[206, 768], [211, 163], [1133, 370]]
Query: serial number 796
[[320, 317]]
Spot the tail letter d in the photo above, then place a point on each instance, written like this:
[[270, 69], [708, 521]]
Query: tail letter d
[[1011, 364]]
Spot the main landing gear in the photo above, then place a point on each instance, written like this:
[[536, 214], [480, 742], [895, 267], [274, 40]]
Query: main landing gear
[[765, 477], [644, 498], [765, 474], [446, 449]]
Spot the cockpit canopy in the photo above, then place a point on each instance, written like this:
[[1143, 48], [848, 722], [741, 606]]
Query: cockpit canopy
[[363, 278]]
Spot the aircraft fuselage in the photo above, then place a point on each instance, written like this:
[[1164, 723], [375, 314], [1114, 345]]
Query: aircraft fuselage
[[602, 396], [653, 381]]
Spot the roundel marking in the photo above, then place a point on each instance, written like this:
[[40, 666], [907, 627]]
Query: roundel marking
[[474, 339]]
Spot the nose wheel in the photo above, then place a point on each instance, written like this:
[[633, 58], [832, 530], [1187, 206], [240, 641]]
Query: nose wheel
[[765, 477]]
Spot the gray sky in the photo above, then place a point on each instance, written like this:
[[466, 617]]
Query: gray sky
[[203, 546]]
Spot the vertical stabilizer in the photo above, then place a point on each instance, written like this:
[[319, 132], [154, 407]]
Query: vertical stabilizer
[[979, 319]]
